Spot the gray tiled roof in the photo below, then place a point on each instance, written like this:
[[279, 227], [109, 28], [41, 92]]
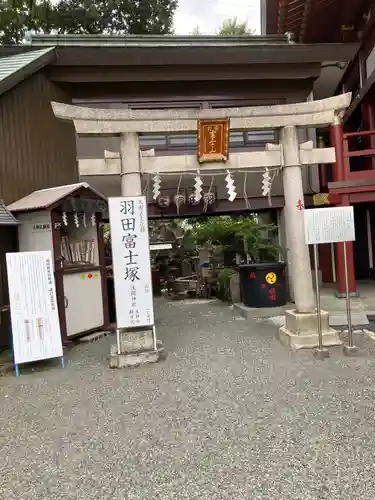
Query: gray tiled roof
[[155, 41], [6, 218], [14, 69], [44, 198]]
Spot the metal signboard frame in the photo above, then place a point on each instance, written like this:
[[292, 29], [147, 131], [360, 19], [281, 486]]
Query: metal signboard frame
[[330, 225], [35, 321]]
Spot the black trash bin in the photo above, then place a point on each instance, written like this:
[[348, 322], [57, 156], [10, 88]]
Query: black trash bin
[[263, 285]]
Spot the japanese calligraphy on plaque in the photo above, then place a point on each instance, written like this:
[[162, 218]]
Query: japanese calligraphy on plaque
[[213, 140], [131, 262]]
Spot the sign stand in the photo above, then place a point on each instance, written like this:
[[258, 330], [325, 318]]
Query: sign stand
[[132, 279], [154, 338], [118, 341], [17, 368], [330, 225], [321, 352], [350, 349], [36, 333]]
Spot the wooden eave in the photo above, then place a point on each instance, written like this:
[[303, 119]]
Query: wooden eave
[[317, 21], [201, 55]]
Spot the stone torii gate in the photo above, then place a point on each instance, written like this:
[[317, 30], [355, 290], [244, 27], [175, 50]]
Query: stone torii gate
[[301, 324]]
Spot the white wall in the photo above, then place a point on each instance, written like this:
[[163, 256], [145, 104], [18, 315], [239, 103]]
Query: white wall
[[35, 231]]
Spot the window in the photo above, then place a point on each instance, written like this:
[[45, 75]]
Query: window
[[188, 142], [153, 141]]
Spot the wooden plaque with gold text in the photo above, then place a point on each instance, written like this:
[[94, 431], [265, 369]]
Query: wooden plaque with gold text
[[213, 140]]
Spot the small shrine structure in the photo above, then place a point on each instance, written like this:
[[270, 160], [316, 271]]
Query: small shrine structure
[[67, 221]]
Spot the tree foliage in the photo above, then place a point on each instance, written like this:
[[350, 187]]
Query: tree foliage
[[233, 27], [231, 233], [229, 27], [18, 16], [84, 17]]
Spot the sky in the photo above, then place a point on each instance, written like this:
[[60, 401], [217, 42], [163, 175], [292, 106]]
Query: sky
[[209, 14]]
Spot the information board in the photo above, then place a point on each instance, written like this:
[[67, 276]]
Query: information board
[[131, 262], [329, 225], [33, 307]]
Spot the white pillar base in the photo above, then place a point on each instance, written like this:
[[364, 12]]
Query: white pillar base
[[301, 331]]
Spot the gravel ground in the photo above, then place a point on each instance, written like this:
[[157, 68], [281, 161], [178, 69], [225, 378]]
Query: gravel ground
[[230, 414]]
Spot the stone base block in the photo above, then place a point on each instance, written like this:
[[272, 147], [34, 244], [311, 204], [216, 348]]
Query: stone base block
[[136, 341], [351, 350], [342, 295], [133, 359], [321, 354], [301, 330]]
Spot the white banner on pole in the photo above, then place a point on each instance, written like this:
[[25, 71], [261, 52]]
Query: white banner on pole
[[131, 261], [329, 225], [33, 307]]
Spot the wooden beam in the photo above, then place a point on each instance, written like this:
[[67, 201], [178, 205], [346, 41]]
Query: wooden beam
[[221, 206], [353, 183], [283, 12], [304, 20]]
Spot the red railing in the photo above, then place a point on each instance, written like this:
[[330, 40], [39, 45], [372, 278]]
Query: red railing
[[368, 153]]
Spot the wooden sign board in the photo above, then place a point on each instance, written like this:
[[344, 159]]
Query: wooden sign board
[[213, 140], [131, 262]]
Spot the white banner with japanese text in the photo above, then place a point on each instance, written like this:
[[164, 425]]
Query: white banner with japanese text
[[131, 261], [33, 306]]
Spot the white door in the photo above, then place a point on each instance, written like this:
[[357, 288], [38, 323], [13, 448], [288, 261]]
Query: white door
[[83, 302]]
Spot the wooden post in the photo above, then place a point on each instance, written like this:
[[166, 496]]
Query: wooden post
[[338, 170]]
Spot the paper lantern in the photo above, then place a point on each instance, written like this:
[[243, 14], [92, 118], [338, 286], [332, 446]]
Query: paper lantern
[[209, 198], [193, 200], [179, 199], [164, 201]]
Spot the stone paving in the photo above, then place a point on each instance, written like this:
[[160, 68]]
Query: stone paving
[[229, 415]]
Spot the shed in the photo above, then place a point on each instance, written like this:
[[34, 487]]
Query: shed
[[67, 220]]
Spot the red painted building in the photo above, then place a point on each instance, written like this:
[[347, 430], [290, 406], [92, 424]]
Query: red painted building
[[351, 180]]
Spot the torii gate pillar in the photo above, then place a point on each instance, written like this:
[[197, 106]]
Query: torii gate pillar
[[300, 328], [130, 165], [294, 221]]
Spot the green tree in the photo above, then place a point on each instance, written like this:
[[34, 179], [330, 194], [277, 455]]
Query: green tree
[[196, 31], [19, 16], [84, 16], [233, 27], [229, 27]]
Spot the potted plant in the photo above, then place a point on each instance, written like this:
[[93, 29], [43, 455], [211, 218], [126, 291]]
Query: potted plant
[[262, 276]]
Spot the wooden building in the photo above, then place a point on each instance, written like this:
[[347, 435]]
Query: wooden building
[[8, 243], [36, 150], [159, 72], [351, 181], [315, 21]]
